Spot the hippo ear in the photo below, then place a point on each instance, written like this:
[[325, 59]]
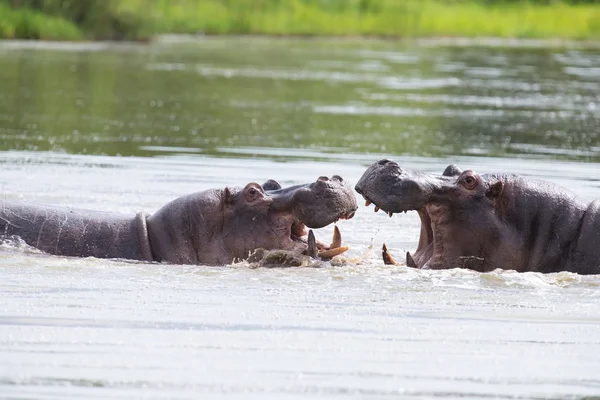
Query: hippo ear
[[452, 170], [495, 190], [271, 185], [227, 196]]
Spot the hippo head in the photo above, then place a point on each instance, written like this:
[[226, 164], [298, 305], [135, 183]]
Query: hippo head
[[223, 225], [459, 210], [385, 181]]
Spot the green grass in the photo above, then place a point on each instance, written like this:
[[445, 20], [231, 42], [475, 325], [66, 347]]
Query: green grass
[[398, 18], [135, 19], [30, 24]]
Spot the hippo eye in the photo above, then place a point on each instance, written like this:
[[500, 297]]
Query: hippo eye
[[469, 182]]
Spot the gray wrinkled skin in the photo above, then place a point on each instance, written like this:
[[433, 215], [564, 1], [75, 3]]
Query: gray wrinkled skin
[[484, 222], [216, 226], [73, 232]]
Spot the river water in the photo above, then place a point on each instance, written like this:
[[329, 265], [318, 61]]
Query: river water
[[125, 128]]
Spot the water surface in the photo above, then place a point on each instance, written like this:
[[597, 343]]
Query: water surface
[[351, 97], [190, 116]]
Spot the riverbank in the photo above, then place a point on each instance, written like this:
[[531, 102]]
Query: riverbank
[[140, 20]]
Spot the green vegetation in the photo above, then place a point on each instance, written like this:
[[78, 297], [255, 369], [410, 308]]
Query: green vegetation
[[27, 23], [139, 19]]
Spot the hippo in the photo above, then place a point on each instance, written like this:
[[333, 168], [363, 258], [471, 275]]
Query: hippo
[[485, 222], [216, 226]]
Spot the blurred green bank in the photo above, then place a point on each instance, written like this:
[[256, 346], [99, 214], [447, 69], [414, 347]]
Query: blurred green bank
[[141, 19]]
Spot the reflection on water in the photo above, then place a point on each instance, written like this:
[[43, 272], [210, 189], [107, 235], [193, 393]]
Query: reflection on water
[[227, 112], [351, 96]]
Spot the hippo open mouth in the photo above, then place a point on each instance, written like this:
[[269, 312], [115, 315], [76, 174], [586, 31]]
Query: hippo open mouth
[[315, 248], [394, 190], [437, 199], [426, 245], [310, 206]]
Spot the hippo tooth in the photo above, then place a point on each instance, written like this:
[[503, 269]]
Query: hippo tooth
[[312, 245], [409, 260], [337, 238], [387, 257], [367, 203], [376, 208], [390, 214]]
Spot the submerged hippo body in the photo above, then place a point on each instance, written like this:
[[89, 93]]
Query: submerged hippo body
[[215, 226], [484, 222]]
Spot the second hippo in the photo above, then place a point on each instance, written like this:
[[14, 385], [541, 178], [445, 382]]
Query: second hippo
[[484, 222]]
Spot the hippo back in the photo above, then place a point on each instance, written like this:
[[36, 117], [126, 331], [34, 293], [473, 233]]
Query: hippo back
[[76, 232], [585, 254], [558, 231]]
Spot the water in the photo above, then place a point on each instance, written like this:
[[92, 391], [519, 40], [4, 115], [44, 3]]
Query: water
[[196, 115]]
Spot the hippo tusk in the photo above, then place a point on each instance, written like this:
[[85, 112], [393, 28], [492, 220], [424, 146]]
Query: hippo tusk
[[387, 257], [312, 245], [367, 203], [334, 249], [333, 252], [337, 238], [409, 260], [376, 208]]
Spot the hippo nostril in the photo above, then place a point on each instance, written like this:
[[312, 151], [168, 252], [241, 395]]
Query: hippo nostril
[[337, 178], [384, 161], [323, 178]]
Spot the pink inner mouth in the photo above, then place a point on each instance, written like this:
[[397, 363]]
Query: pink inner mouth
[[425, 248], [298, 231], [426, 245]]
